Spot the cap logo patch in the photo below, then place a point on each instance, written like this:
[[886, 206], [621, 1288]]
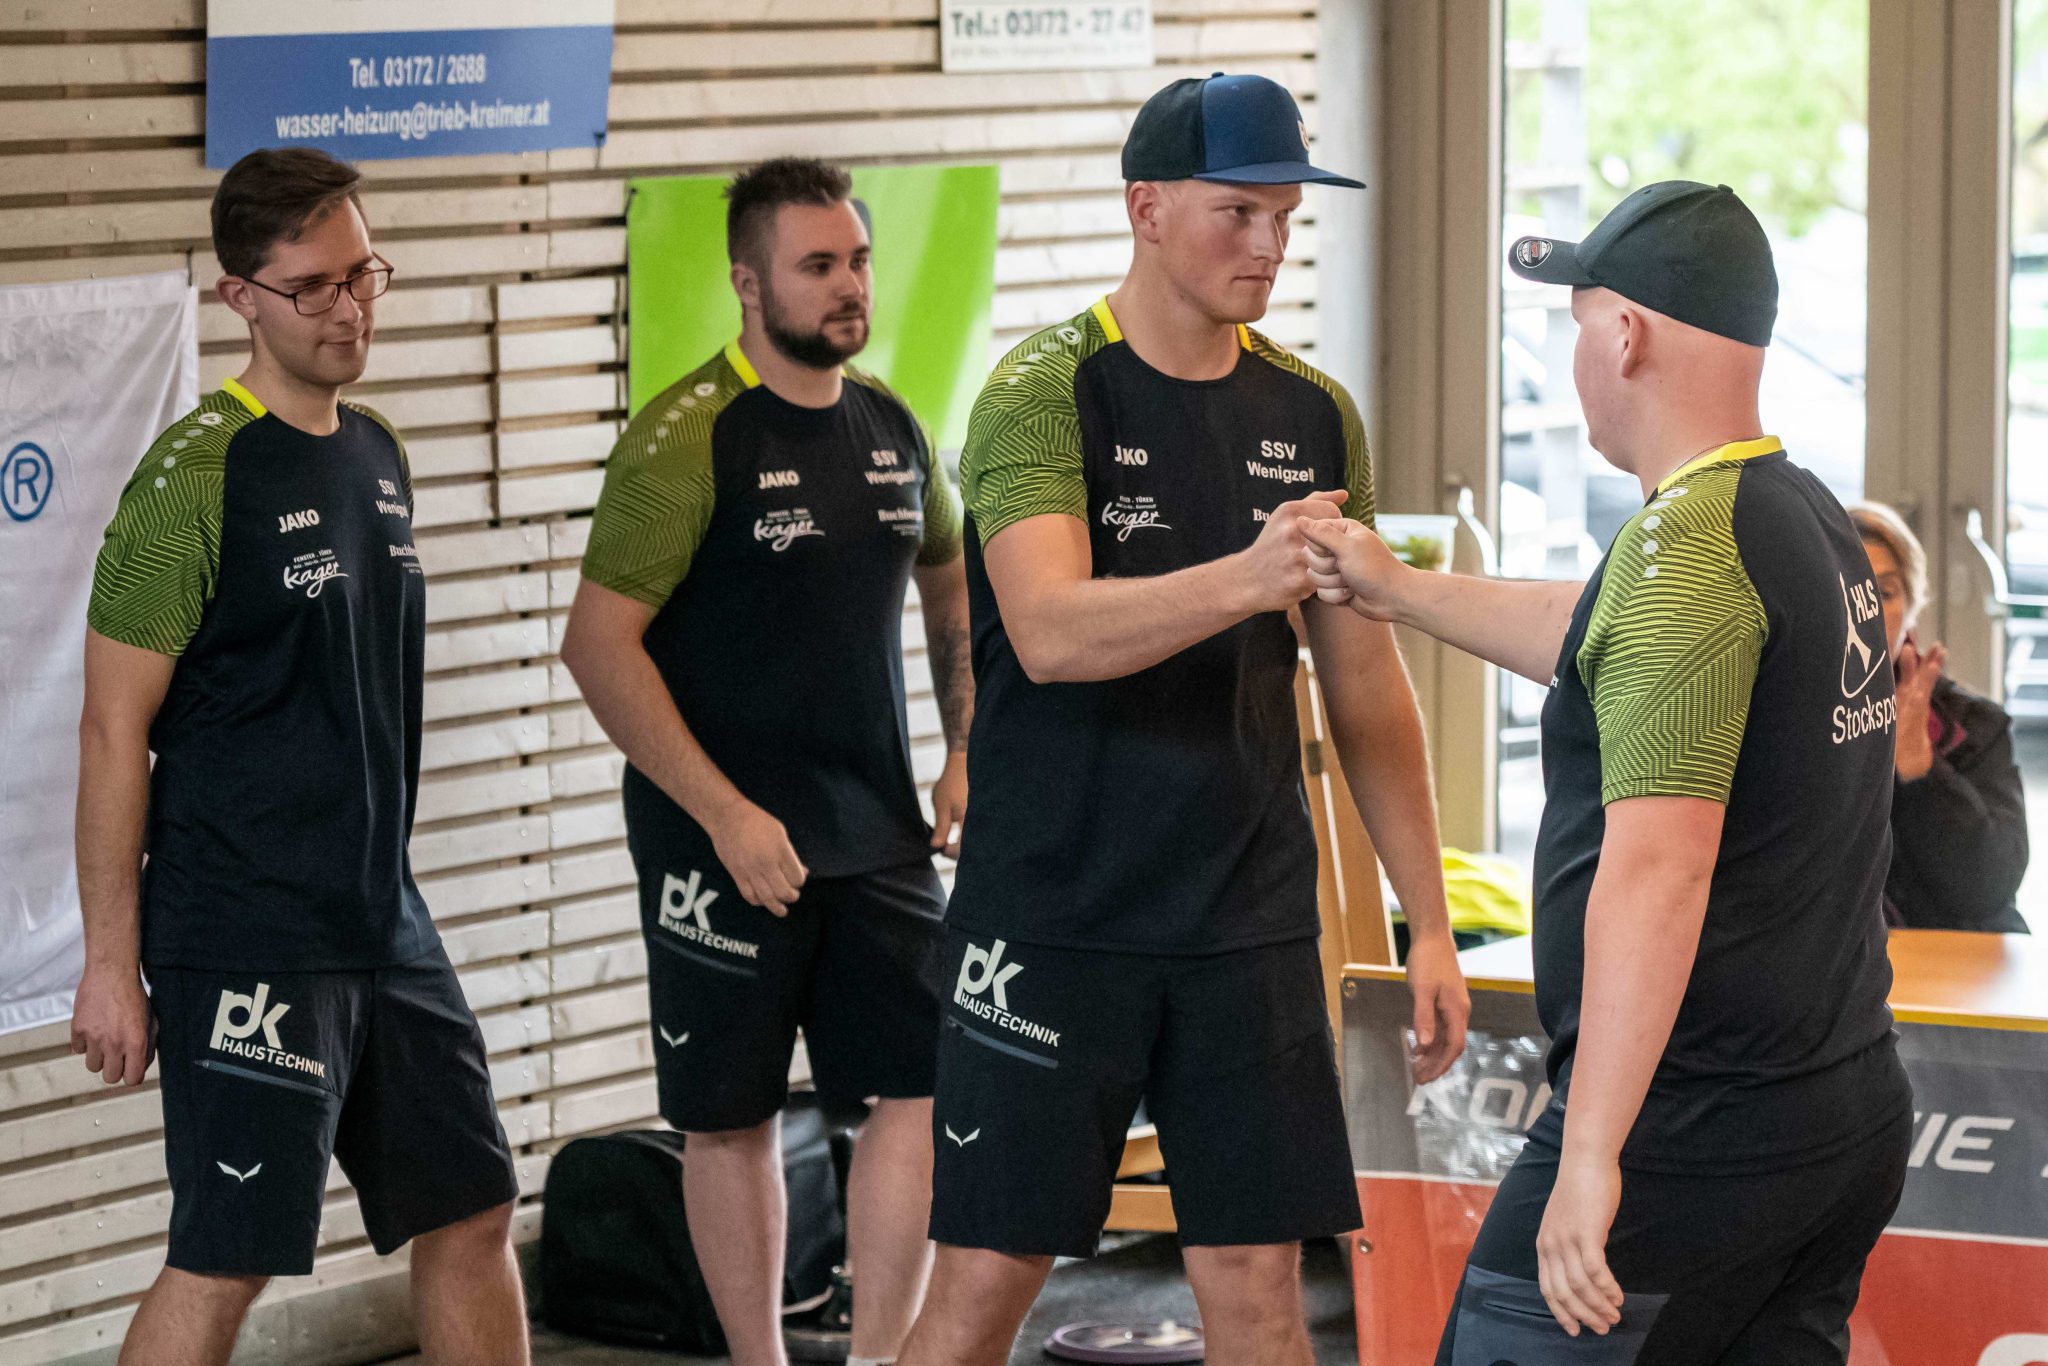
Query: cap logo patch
[[1532, 252], [1303, 127]]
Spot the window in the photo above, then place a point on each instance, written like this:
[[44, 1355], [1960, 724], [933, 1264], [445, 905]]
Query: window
[[2025, 552], [1605, 96]]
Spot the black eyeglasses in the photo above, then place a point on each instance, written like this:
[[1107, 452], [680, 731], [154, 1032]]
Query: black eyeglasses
[[314, 299]]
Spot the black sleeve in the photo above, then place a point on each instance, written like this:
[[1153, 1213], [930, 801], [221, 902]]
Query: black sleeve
[[1962, 830]]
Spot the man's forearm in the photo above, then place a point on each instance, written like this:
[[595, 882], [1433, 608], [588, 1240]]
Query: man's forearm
[[1377, 729], [1093, 629], [1519, 624], [1642, 932], [1388, 773], [626, 694], [113, 807], [949, 652]]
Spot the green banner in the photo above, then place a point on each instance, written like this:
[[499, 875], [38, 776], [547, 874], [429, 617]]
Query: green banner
[[934, 265]]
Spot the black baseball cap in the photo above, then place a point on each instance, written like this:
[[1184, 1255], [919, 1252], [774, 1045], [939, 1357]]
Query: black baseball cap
[[1242, 129], [1691, 252]]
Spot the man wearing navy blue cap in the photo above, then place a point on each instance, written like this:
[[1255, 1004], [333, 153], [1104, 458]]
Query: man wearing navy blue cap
[[1729, 1124], [1135, 913]]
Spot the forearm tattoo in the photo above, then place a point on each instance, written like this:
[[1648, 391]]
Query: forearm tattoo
[[952, 679]]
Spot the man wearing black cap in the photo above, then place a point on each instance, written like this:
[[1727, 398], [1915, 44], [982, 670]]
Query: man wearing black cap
[[1730, 1121], [1135, 911]]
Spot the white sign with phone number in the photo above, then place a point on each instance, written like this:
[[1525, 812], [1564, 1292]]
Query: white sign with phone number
[[1016, 35]]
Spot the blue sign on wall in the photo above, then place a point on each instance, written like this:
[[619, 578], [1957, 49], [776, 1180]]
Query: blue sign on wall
[[366, 79]]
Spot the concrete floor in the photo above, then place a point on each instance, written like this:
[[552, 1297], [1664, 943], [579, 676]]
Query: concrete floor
[[1140, 1279]]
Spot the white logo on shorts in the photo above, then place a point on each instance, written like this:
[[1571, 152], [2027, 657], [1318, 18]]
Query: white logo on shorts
[[240, 1176], [686, 911], [959, 1141], [229, 1033], [982, 973], [981, 970]]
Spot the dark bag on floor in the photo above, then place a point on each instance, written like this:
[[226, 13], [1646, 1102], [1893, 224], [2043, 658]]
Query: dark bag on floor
[[615, 1255]]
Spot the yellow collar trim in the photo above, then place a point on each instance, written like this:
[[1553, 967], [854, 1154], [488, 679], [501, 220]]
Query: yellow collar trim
[[1116, 334], [233, 388], [742, 367], [1723, 455]]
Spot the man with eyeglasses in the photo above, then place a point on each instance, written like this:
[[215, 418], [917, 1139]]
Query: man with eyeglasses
[[258, 622]]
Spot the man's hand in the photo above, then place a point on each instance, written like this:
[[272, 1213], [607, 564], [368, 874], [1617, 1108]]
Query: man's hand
[[1571, 1246], [949, 804], [1275, 573], [1441, 1004], [1349, 563], [1918, 673], [755, 850], [111, 1024]]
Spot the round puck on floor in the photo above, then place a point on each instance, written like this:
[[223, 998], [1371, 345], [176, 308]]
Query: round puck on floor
[[1126, 1342]]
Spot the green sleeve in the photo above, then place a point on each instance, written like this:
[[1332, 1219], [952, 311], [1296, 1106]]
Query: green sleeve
[[659, 489], [941, 544], [159, 565], [1360, 506], [1672, 648], [1023, 453]]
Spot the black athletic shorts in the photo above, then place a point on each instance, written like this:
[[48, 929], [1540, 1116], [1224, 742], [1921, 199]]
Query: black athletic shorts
[[1751, 1270], [266, 1075], [1046, 1053], [854, 964]]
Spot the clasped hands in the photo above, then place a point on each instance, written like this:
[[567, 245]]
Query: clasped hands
[[1308, 546]]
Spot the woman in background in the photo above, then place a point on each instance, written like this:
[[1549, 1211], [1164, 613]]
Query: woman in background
[[1959, 820]]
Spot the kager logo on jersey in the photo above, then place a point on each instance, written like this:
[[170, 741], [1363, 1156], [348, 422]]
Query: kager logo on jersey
[[298, 521], [229, 1032], [983, 973], [686, 912], [1133, 512], [311, 571], [1863, 655], [784, 526], [1279, 450]]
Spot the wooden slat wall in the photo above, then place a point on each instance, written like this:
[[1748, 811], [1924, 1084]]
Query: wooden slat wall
[[500, 352]]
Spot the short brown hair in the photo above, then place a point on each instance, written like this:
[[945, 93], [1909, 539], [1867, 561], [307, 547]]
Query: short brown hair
[[272, 195], [757, 192], [1877, 522]]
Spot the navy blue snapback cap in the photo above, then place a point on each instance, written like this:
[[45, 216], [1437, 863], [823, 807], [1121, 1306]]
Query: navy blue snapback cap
[[1246, 130]]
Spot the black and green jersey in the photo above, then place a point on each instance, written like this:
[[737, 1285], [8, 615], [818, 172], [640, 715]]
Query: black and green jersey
[[1731, 647], [1162, 812], [775, 543], [278, 568]]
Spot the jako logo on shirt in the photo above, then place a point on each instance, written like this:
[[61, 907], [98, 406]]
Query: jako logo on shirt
[[1862, 615], [1132, 455], [229, 1032], [982, 972], [295, 521], [780, 479], [686, 912]]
